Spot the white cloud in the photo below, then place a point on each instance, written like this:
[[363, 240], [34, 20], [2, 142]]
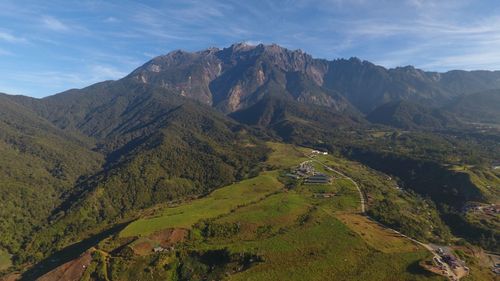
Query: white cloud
[[253, 42], [8, 37], [49, 82], [54, 24], [417, 3]]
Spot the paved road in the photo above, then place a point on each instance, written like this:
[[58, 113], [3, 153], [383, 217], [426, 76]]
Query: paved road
[[451, 274]]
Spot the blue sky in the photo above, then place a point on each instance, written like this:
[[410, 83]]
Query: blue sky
[[50, 46]]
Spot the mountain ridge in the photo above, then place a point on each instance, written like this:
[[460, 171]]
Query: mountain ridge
[[236, 77]]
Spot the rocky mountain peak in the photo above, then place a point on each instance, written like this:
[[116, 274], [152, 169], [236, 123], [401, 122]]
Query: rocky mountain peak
[[242, 46]]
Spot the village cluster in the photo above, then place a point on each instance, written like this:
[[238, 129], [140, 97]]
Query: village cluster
[[307, 172], [450, 259]]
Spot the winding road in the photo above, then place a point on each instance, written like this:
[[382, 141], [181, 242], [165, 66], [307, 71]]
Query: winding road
[[451, 275]]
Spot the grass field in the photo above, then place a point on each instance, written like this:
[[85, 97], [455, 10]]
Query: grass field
[[5, 261], [219, 202]]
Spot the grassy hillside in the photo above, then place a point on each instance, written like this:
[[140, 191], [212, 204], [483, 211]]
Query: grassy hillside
[[218, 203], [314, 252], [78, 163], [451, 189], [388, 203], [257, 229]]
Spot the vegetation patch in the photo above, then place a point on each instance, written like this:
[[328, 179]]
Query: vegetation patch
[[322, 248], [5, 261], [213, 264]]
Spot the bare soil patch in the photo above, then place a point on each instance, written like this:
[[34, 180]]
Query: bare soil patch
[[70, 271]]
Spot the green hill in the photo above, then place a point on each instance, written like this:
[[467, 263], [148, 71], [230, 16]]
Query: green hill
[[40, 164], [143, 146], [257, 230]]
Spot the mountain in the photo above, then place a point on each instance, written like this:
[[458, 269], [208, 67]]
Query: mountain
[[236, 77], [154, 147], [186, 151], [408, 115]]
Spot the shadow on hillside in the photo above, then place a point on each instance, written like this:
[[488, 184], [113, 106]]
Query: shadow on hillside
[[69, 253]]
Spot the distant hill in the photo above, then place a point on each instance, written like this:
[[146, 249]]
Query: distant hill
[[288, 118], [483, 107], [408, 115], [236, 78]]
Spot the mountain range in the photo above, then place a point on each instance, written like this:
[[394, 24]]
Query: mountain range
[[240, 76]]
